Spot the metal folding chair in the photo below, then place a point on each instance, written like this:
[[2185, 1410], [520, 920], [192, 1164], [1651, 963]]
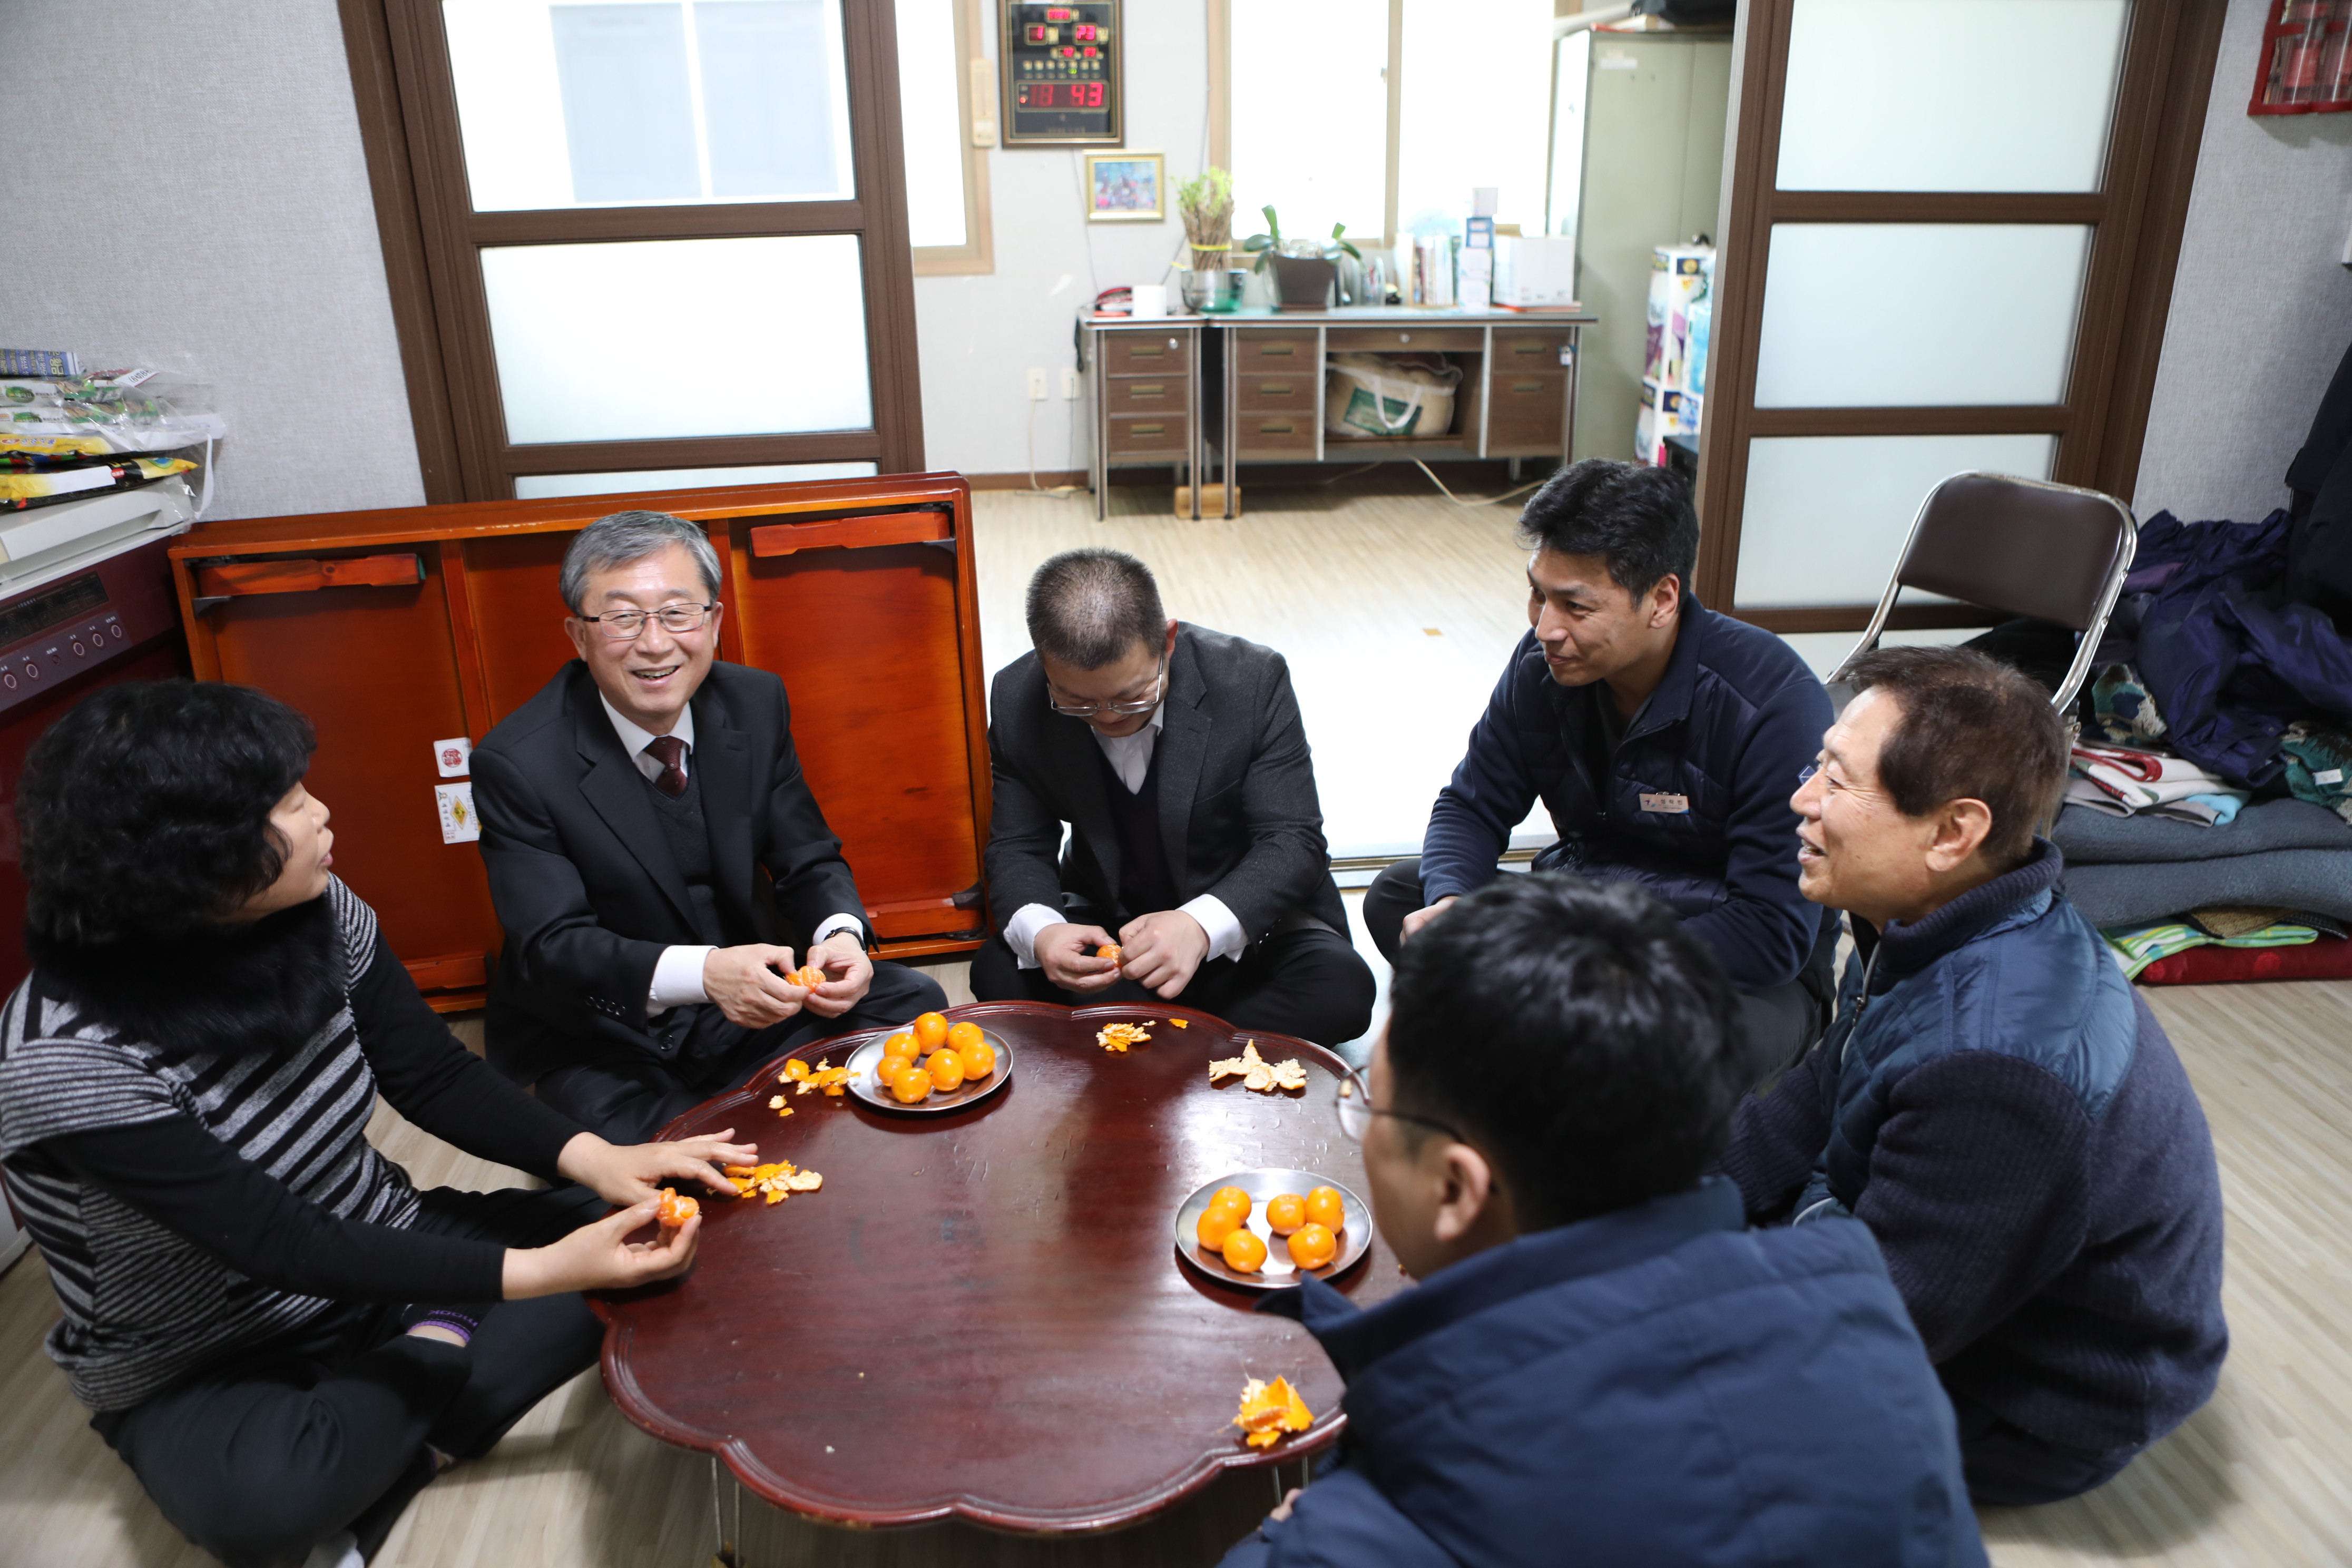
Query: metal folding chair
[[2017, 547]]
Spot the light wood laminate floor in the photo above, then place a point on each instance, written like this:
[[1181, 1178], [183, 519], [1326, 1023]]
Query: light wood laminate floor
[[1350, 586]]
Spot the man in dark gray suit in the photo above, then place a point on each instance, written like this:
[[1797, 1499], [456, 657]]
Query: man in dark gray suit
[[1176, 756]]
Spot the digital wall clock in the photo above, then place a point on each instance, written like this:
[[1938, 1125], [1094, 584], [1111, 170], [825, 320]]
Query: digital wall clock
[[1061, 86]]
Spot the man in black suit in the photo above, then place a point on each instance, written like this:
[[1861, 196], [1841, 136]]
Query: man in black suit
[[631, 812], [1176, 755]]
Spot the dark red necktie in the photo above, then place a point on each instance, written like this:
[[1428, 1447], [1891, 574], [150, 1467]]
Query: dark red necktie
[[671, 752]]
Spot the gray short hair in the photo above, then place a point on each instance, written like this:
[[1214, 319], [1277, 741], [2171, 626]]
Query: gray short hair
[[627, 536], [1089, 607]]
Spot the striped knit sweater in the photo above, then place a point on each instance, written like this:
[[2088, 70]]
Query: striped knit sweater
[[143, 1305]]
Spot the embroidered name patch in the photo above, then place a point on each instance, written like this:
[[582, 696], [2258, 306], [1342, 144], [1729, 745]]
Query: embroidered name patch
[[1666, 805]]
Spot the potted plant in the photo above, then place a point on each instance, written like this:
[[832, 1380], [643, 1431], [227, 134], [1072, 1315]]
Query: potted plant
[[1304, 269], [1206, 204]]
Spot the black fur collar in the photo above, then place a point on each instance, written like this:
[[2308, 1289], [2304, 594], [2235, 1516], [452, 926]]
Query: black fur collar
[[268, 986]]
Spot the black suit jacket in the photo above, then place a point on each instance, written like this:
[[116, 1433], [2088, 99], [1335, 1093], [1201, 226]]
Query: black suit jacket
[[584, 879], [1238, 813]]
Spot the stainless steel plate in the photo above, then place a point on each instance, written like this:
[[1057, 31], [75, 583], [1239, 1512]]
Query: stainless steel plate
[[865, 1059], [1279, 1273]]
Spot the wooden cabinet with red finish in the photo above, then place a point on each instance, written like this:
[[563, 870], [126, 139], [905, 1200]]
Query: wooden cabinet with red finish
[[396, 629]]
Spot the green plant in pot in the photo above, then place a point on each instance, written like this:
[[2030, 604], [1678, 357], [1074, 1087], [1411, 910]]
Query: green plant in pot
[[1205, 201], [1305, 270]]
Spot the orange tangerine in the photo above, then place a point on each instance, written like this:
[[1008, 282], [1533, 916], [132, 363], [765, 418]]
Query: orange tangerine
[[1215, 1225], [1312, 1245], [901, 1046], [912, 1086], [946, 1068], [962, 1033], [931, 1031], [1325, 1208], [1285, 1211], [1232, 1198], [979, 1060], [1244, 1253]]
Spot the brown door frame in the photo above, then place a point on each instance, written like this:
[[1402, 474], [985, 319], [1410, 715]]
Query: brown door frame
[[431, 240], [2136, 218]]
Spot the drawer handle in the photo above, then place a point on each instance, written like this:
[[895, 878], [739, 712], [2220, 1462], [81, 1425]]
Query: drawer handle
[[1526, 387], [1284, 428], [1148, 429], [1275, 389], [1404, 337], [1531, 348], [1148, 389], [1146, 350], [1276, 351]]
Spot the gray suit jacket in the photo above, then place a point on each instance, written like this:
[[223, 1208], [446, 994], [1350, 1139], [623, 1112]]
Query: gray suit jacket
[[1238, 812]]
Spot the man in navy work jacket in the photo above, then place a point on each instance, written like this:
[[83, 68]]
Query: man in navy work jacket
[[1994, 1101], [1601, 1364], [1663, 740]]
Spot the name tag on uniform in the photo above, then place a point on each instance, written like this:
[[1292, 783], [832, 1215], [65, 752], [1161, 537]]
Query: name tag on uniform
[[1666, 805]]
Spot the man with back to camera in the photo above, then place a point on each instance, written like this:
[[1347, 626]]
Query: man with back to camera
[[1601, 1364], [1994, 1100], [1663, 740], [628, 810], [1177, 757]]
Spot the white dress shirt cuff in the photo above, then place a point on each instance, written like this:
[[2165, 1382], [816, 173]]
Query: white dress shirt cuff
[[1020, 932], [678, 979], [833, 923], [1226, 938]]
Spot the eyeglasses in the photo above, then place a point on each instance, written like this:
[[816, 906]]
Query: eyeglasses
[[1354, 1099], [623, 625], [1124, 710]]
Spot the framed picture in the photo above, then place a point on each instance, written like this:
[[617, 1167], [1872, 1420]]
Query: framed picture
[[1126, 187]]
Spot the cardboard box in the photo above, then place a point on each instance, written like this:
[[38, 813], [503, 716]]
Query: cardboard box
[[1535, 269]]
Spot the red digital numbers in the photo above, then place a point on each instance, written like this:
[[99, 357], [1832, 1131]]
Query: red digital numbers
[[1050, 95], [1084, 32]]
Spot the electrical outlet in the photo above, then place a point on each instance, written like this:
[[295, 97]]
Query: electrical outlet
[[1069, 383], [1037, 386]]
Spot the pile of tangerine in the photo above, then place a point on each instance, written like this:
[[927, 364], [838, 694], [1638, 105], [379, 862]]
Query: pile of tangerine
[[932, 1054], [1312, 1224]]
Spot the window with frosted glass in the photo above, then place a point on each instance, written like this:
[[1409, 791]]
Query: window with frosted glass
[[533, 487], [1949, 95], [1476, 107], [632, 103], [1825, 517], [1310, 121], [653, 339], [1910, 315], [931, 121]]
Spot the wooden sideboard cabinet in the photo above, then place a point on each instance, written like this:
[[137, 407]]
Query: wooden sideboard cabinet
[[397, 630]]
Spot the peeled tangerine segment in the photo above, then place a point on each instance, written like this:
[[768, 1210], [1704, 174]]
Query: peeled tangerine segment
[[676, 1210], [1270, 1409]]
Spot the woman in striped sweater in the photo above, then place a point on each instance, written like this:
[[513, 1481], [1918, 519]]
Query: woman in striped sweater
[[282, 1337]]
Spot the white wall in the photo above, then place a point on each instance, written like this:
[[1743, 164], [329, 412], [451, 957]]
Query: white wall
[[980, 335], [2262, 305], [192, 193]]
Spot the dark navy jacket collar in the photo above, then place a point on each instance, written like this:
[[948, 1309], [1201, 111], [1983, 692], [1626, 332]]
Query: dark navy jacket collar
[[1671, 703], [2024, 892], [1355, 1339]]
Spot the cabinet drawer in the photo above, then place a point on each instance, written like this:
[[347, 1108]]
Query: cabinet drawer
[[1526, 410], [1405, 340], [1275, 393], [1527, 351], [1145, 354], [1263, 435], [1147, 395], [1275, 351], [1148, 436]]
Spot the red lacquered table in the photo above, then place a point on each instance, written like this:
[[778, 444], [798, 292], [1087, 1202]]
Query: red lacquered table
[[983, 1314]]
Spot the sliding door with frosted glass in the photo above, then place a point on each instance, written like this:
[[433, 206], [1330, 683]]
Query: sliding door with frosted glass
[[1945, 240], [666, 239]]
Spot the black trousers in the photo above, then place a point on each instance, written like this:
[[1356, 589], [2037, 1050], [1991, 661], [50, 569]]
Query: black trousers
[[1310, 982], [2007, 1466], [627, 1099], [1782, 1021], [258, 1460]]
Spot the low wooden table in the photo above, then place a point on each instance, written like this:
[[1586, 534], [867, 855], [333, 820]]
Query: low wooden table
[[983, 1314]]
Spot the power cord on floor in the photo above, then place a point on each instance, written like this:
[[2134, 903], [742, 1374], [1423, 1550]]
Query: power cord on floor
[[1035, 487], [1484, 500]]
